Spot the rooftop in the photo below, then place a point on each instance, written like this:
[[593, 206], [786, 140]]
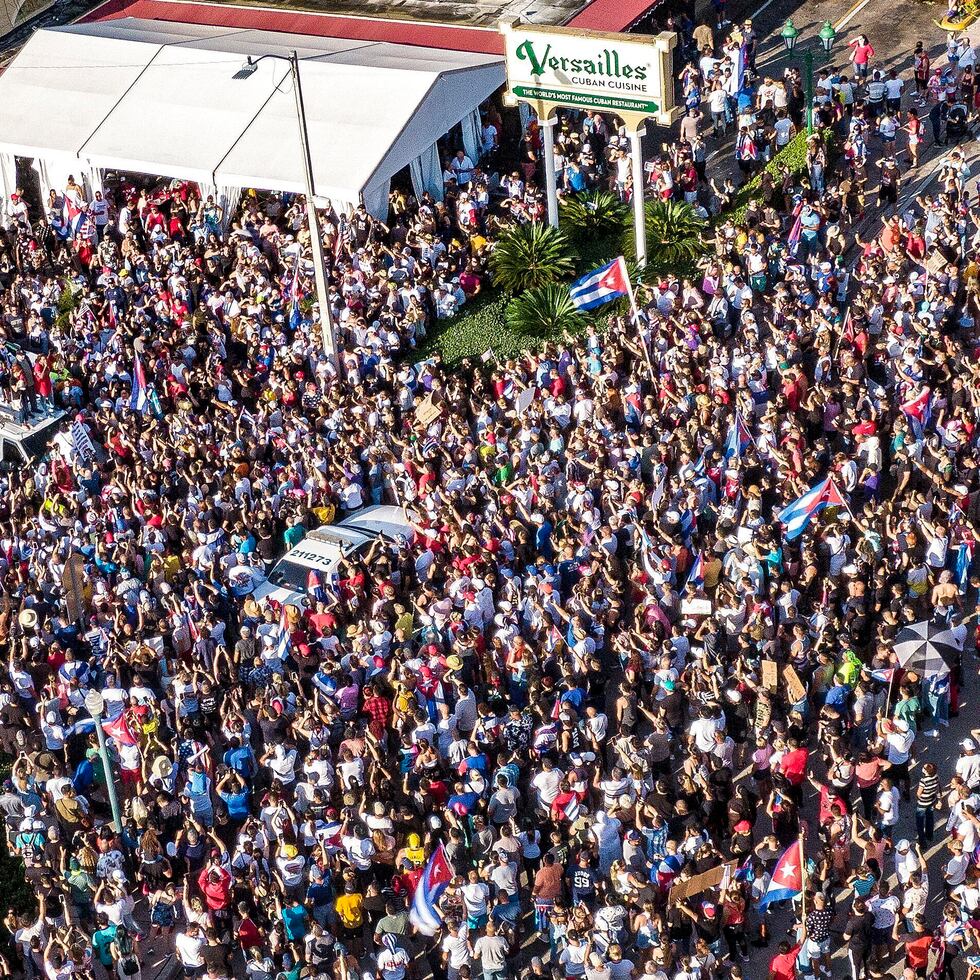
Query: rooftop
[[449, 13], [446, 24]]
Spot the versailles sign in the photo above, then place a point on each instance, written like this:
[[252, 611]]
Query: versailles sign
[[622, 73]]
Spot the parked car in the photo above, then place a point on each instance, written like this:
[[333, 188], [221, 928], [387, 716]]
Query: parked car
[[322, 550]]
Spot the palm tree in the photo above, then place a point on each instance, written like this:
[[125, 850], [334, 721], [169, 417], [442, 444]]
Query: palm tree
[[675, 238], [595, 212], [529, 256], [545, 312]]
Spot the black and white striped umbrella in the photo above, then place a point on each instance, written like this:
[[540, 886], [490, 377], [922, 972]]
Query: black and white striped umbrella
[[929, 649]]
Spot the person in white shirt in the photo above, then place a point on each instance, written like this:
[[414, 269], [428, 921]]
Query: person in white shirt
[[546, 784], [968, 764], [188, 946], [908, 861], [893, 91], [282, 762], [784, 129], [99, 211], [887, 805], [956, 867], [360, 849], [457, 950], [462, 168], [476, 895]]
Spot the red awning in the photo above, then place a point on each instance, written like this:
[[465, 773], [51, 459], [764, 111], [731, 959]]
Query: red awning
[[611, 15], [443, 36]]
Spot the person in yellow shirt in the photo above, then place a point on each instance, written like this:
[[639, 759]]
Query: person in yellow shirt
[[350, 912]]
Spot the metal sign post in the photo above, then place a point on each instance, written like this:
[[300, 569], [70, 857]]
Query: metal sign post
[[550, 182], [639, 204]]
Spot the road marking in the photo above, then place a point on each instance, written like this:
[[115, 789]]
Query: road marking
[[765, 6], [856, 9]]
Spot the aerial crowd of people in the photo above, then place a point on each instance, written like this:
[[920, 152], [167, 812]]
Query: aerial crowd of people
[[645, 645]]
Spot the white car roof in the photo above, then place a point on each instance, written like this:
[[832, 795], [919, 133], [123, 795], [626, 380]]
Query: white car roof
[[383, 519]]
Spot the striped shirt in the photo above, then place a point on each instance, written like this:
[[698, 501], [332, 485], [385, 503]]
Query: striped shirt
[[927, 791]]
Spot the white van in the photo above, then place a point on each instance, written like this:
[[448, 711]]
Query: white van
[[323, 549]]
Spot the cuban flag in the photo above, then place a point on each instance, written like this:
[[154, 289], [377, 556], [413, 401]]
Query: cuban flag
[[741, 62], [666, 871], [284, 643], [295, 317], [438, 873], [190, 625], [744, 871], [739, 439], [964, 559], [696, 577], [330, 836], [646, 548], [72, 216], [119, 730], [192, 631], [884, 675], [314, 585], [687, 524], [796, 516], [919, 408], [601, 286], [787, 877], [139, 400]]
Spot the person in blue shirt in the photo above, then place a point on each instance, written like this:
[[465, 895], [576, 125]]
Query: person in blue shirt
[[542, 536], [474, 760], [572, 695], [235, 794], [241, 758], [295, 919], [319, 895], [84, 776], [461, 803]]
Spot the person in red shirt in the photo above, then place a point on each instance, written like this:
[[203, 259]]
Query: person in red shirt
[[917, 945], [783, 964], [42, 382], [215, 883], [249, 935], [377, 709], [793, 767]]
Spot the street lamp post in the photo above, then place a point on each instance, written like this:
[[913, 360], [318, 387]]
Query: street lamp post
[[327, 334], [790, 36], [95, 704]]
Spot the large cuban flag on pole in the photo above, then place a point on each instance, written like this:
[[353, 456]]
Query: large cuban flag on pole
[[601, 286], [438, 873], [787, 877]]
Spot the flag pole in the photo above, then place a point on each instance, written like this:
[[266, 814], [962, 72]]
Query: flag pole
[[847, 506], [883, 711], [636, 317], [803, 874]]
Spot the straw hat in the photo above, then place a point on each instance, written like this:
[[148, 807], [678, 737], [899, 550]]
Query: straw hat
[[162, 767], [27, 619]]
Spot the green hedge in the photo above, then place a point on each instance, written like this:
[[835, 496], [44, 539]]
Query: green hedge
[[793, 155], [481, 325]]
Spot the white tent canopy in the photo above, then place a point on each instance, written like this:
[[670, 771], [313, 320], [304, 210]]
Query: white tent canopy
[[159, 98]]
